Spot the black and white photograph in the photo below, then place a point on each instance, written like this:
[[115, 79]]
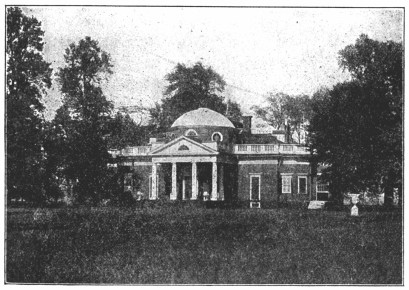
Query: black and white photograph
[[203, 145]]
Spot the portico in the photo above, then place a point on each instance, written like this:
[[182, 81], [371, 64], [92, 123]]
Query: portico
[[191, 177]]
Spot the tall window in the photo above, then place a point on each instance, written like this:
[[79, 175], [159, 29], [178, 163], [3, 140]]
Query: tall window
[[302, 184], [255, 187], [286, 184], [322, 190], [128, 182]]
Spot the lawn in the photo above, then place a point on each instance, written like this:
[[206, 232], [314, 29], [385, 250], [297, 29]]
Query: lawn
[[189, 245]]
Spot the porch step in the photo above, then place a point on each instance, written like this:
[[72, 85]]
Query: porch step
[[316, 204]]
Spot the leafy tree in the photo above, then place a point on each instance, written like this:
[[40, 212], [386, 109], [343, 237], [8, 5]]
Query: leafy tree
[[190, 88], [287, 112], [298, 112], [28, 77], [233, 111], [274, 113], [126, 132], [83, 118], [356, 128]]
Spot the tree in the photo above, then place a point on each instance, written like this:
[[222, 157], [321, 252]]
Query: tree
[[126, 132], [189, 88], [233, 111], [356, 128], [83, 118], [285, 111], [298, 111], [274, 113], [28, 77]]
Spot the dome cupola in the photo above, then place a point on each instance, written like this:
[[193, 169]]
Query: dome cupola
[[202, 117]]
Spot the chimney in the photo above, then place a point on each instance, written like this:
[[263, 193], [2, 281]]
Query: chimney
[[247, 124]]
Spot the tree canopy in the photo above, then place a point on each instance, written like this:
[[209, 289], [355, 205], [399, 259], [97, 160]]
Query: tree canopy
[[82, 121], [191, 88], [124, 131], [356, 128], [283, 110], [28, 77]]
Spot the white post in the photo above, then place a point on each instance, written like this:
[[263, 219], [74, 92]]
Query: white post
[[221, 178], [194, 180], [173, 194], [214, 181], [355, 200], [154, 184], [184, 188]]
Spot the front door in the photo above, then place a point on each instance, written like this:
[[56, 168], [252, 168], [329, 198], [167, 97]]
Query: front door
[[187, 187], [254, 187]]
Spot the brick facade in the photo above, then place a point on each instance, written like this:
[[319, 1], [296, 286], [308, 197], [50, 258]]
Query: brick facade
[[189, 162]]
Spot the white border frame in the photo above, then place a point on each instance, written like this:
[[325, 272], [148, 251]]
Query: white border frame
[[259, 185], [191, 130], [291, 179], [306, 184], [221, 136]]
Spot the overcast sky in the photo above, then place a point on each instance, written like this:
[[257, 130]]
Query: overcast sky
[[256, 50]]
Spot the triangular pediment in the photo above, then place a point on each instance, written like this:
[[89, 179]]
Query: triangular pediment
[[183, 146]]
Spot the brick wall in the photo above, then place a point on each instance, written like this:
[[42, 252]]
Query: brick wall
[[271, 190], [268, 181]]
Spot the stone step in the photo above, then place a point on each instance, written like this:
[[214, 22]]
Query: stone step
[[316, 204]]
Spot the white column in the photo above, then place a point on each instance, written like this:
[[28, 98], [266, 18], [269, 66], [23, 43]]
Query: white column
[[214, 181], [184, 188], [154, 182], [173, 194], [221, 179], [194, 180]]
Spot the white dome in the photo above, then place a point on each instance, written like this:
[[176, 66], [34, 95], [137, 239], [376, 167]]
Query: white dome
[[202, 117]]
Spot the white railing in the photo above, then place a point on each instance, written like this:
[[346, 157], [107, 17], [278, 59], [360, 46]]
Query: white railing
[[270, 149], [130, 151]]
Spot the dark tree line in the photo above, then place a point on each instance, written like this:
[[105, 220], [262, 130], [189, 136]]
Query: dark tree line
[[28, 77], [356, 127]]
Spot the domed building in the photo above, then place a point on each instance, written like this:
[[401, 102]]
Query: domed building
[[204, 156]]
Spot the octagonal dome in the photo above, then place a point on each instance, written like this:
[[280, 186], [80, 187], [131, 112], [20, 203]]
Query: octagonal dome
[[202, 117]]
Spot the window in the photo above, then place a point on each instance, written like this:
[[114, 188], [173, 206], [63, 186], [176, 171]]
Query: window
[[217, 137], [183, 147], [128, 182], [322, 190], [286, 184], [322, 187], [302, 185], [255, 187], [191, 133]]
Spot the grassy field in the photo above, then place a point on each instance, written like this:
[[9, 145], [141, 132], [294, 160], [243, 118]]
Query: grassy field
[[203, 246]]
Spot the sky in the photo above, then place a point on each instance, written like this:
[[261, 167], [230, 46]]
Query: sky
[[256, 50]]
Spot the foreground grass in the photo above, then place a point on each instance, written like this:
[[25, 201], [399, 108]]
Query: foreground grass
[[203, 246]]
